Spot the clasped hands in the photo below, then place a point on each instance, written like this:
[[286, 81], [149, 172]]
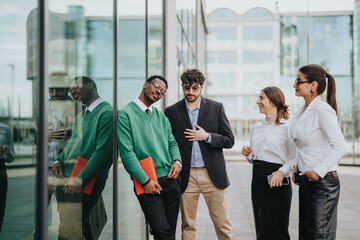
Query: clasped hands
[[153, 187], [5, 149]]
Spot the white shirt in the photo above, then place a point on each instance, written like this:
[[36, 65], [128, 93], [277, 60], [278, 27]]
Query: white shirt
[[94, 104], [271, 143], [142, 105], [318, 138]]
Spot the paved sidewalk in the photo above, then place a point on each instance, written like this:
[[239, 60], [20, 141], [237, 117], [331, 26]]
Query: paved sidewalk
[[20, 212]]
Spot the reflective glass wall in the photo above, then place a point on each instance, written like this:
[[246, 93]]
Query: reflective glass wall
[[83, 79], [17, 121]]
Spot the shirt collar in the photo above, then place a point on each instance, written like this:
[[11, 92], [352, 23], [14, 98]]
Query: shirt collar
[[313, 103], [142, 106], [94, 104], [197, 107]]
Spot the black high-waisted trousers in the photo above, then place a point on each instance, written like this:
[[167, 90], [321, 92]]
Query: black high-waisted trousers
[[318, 207]]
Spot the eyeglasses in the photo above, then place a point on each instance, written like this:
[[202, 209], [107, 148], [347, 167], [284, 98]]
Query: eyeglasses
[[194, 88], [157, 86], [297, 81]]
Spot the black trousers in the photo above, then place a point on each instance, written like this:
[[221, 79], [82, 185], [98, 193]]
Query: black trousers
[[318, 207], [271, 206], [161, 210], [74, 210], [3, 191]]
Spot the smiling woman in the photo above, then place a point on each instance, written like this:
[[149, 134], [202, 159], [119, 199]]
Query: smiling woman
[[273, 157]]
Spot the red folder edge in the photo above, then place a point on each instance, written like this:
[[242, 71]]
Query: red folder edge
[[147, 165], [78, 167]]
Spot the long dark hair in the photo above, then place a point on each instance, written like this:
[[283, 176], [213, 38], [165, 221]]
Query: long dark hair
[[276, 96], [314, 72]]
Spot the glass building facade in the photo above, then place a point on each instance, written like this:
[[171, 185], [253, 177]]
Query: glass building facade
[[247, 52], [44, 45], [330, 39], [243, 57]]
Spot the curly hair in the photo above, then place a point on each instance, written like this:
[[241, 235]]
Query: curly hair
[[192, 76], [153, 77], [276, 96]]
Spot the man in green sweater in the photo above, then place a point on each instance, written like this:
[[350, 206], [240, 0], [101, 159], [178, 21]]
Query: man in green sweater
[[144, 131], [91, 139]]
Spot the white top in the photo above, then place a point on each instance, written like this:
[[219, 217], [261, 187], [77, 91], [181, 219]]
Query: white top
[[94, 104], [318, 138], [271, 143], [142, 105]]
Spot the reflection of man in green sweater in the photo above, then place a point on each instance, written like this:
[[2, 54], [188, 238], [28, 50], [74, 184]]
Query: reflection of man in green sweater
[[91, 139], [144, 131]]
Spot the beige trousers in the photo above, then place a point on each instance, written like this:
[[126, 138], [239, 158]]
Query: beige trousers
[[199, 182]]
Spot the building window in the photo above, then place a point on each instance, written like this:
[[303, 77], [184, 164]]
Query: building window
[[257, 33], [222, 33], [257, 57], [222, 57]]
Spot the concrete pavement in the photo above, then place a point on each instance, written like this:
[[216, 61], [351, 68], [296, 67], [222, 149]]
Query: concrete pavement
[[20, 213]]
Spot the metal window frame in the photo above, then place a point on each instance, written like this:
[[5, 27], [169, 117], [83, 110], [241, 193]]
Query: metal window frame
[[41, 204], [115, 98]]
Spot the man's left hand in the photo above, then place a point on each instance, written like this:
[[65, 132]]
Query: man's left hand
[[174, 171], [73, 186], [196, 135]]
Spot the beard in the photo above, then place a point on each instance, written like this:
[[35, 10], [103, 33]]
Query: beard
[[191, 98]]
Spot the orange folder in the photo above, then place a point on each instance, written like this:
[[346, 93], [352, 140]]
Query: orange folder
[[147, 165], [79, 165]]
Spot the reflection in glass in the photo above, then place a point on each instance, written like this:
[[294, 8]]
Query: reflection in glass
[[80, 119], [18, 113]]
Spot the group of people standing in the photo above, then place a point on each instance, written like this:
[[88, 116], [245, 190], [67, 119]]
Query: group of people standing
[[190, 141], [307, 149], [186, 144]]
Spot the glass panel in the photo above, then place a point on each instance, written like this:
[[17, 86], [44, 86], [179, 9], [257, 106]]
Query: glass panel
[[155, 42], [132, 72], [17, 118], [80, 119]]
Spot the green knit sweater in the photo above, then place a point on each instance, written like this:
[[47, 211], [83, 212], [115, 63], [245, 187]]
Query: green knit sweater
[[141, 135], [91, 139]]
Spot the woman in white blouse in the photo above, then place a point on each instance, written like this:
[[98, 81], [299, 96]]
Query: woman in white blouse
[[320, 145], [273, 157]]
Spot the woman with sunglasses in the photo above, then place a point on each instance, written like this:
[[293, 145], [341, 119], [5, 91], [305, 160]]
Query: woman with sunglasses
[[320, 145], [273, 157]]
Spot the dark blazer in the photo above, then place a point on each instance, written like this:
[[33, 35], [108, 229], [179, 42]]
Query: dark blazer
[[213, 120]]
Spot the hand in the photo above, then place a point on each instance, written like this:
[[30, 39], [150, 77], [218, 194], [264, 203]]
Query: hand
[[246, 150], [277, 178], [5, 149], [311, 175], [196, 135], [56, 134], [57, 170], [73, 186], [293, 176], [152, 187], [174, 171]]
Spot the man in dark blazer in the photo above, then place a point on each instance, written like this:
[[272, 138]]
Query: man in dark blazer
[[201, 130]]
